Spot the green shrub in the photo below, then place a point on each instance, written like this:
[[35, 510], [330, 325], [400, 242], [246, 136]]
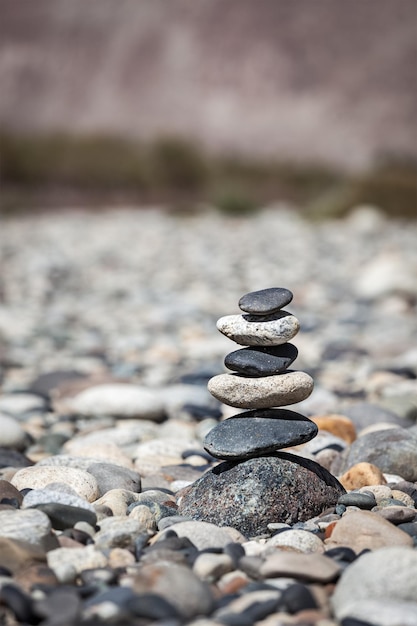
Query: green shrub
[[234, 201], [175, 163]]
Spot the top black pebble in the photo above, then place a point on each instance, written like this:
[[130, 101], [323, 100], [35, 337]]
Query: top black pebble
[[265, 301]]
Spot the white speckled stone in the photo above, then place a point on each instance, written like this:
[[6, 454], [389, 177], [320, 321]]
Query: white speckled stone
[[68, 562], [261, 393], [30, 525], [57, 494], [83, 483], [297, 539], [119, 400], [269, 330]]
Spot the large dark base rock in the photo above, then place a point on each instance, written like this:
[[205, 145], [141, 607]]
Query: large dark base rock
[[248, 495]]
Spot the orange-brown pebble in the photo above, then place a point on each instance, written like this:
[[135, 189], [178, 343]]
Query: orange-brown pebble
[[233, 584], [329, 529], [361, 475], [338, 425]]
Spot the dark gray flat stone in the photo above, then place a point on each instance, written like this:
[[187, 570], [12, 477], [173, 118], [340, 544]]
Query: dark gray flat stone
[[261, 361], [257, 432], [361, 500], [66, 516], [248, 495], [393, 450], [265, 301]]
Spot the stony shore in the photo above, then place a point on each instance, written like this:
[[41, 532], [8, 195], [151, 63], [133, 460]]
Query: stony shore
[[107, 341]]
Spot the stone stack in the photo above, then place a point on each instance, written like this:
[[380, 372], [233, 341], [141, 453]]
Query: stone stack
[[268, 486], [261, 381]]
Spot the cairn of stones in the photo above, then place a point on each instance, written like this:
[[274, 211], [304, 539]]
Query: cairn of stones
[[257, 484]]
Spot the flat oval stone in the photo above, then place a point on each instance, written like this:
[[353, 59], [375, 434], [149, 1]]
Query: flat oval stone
[[66, 516], [248, 495], [37, 477], [258, 432], [267, 330], [261, 393], [265, 301], [261, 361], [312, 567]]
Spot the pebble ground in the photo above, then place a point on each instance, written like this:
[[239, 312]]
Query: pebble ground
[[107, 339]]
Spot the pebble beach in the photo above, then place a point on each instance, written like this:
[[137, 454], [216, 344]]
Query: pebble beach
[[108, 340]]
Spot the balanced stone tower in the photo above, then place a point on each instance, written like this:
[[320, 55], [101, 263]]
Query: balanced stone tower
[[256, 485]]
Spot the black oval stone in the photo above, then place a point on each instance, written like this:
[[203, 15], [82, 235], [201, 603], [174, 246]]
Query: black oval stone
[[261, 361], [258, 432], [297, 597], [265, 301], [361, 500], [66, 516]]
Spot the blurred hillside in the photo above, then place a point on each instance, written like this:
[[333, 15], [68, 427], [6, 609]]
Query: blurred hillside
[[301, 80], [235, 103]]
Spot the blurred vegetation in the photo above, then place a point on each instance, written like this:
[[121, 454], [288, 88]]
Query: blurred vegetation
[[36, 170]]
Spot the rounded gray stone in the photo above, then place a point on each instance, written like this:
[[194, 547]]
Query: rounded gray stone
[[261, 393], [119, 400], [257, 432], [251, 494], [364, 414], [27, 525], [110, 476], [265, 301], [268, 330], [57, 494], [393, 450], [261, 361], [385, 574], [178, 585], [12, 434]]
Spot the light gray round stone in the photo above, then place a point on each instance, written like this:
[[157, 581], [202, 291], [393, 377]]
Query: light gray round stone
[[384, 612], [268, 330], [386, 574], [261, 393], [119, 400], [12, 434], [110, 476]]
